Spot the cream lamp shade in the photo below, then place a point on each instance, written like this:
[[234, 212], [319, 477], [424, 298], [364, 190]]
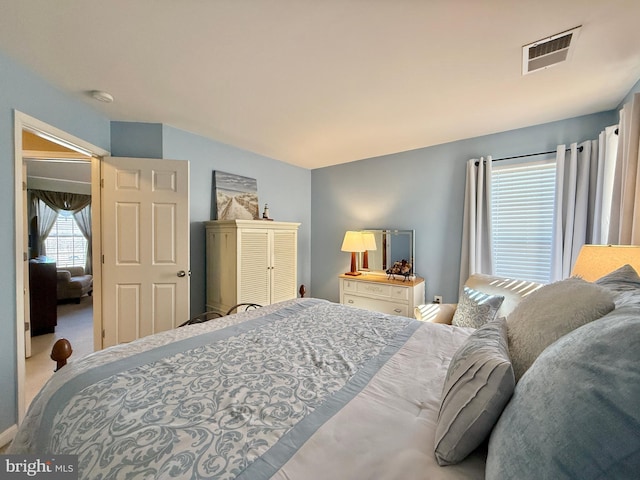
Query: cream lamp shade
[[595, 261], [353, 242], [369, 240], [369, 244]]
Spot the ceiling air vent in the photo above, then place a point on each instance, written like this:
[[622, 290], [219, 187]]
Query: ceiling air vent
[[548, 51]]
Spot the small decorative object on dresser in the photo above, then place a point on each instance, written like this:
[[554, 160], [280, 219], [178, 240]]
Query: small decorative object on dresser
[[403, 268], [382, 294]]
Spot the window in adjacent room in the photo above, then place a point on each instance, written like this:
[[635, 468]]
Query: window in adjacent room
[[522, 214], [65, 242]]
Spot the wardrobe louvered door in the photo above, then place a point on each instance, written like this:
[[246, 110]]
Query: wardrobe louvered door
[[283, 271], [254, 279]]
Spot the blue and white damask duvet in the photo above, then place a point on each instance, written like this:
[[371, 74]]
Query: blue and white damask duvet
[[302, 389]]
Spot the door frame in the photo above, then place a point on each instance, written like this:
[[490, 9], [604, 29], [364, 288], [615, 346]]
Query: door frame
[[22, 122]]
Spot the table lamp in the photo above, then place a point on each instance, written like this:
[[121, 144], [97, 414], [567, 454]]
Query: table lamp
[[353, 242], [369, 244], [595, 261]]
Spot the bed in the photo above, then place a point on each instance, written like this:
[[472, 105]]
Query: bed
[[304, 389]]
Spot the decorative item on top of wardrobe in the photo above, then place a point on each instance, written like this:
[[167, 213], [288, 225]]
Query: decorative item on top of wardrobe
[[234, 197], [265, 213], [400, 268]]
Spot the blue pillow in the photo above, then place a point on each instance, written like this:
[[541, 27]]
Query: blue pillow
[[576, 412], [625, 283]]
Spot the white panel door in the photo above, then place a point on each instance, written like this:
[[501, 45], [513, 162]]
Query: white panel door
[[145, 247]]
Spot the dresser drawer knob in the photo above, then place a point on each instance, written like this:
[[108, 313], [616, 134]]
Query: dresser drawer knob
[[397, 310], [350, 301]]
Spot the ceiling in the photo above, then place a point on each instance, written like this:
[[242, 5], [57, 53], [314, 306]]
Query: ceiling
[[51, 166], [317, 83]]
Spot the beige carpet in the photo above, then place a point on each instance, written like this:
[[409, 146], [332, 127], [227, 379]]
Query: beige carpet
[[75, 323]]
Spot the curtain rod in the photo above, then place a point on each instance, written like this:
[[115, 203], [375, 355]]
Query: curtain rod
[[531, 155]]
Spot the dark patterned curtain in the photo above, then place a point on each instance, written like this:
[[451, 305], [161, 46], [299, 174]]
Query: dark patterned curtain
[[73, 202], [77, 203]]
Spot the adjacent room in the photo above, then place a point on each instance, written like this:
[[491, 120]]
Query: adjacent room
[[58, 237], [339, 239]]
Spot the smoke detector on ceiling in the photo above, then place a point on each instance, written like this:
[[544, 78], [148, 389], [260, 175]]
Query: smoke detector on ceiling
[[102, 96], [549, 51]]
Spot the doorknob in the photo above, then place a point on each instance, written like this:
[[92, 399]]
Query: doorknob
[[182, 273]]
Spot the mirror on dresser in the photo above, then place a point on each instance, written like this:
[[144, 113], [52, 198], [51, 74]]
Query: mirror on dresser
[[390, 246]]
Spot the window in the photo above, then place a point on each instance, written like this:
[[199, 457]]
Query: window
[[522, 215], [65, 242]]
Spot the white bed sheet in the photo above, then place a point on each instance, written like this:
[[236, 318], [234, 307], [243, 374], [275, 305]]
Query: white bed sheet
[[388, 430]]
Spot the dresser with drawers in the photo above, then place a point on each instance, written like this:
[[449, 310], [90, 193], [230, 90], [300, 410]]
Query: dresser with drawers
[[382, 294]]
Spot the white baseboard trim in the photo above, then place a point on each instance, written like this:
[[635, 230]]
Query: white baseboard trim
[[8, 435]]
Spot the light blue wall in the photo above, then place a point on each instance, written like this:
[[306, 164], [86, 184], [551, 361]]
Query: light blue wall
[[287, 190], [23, 91], [421, 190], [139, 140]]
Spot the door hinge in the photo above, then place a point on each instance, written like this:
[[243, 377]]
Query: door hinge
[[103, 258], [27, 326], [24, 186], [103, 334], [102, 183], [24, 256]]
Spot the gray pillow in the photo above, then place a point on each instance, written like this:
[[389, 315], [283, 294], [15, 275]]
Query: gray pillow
[[575, 412], [478, 385], [625, 283], [476, 308], [549, 313]]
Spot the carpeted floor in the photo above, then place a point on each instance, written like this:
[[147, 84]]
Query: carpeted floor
[[75, 323]]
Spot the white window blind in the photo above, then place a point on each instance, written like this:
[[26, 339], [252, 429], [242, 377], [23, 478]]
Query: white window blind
[[65, 242], [522, 213]]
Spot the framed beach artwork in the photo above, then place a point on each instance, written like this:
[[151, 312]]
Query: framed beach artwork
[[234, 197]]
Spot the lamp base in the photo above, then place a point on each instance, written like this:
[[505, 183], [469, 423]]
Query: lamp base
[[353, 274]]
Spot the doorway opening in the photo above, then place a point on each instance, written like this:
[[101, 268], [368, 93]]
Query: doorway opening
[[52, 160]]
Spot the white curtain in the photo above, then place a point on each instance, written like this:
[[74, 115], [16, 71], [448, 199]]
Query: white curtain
[[584, 182], [476, 255], [572, 199], [607, 147], [83, 219], [624, 228], [46, 220]]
